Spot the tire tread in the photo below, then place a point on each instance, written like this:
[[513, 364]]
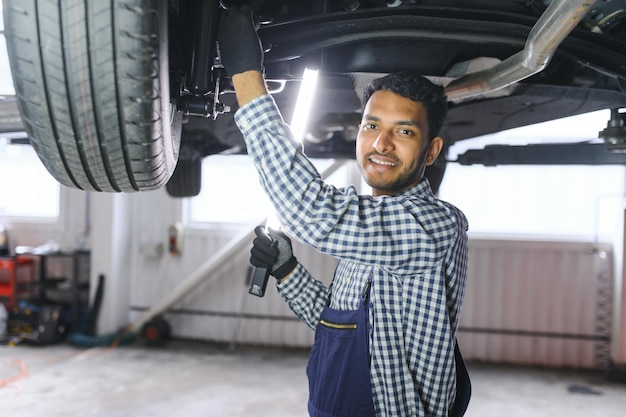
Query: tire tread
[[86, 76]]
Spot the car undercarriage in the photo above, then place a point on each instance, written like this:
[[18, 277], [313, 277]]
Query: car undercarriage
[[505, 64]]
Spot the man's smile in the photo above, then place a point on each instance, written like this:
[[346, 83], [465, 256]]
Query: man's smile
[[383, 160]]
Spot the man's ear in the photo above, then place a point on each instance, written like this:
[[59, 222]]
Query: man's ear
[[434, 148]]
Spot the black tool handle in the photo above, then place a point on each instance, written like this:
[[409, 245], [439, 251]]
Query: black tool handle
[[260, 275]]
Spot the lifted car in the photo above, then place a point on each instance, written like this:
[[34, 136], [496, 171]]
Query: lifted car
[[129, 95]]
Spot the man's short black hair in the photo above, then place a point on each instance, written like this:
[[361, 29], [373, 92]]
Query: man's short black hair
[[418, 88]]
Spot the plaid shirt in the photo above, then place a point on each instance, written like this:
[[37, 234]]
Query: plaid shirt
[[416, 244]]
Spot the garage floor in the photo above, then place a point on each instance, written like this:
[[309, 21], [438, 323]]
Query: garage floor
[[198, 379]]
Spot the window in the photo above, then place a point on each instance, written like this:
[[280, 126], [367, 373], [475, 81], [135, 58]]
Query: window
[[560, 201], [26, 188], [231, 192], [571, 201]]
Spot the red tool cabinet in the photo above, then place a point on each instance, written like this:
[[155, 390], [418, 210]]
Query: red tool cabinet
[[17, 278]]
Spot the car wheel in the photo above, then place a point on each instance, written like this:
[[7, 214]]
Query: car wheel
[[92, 83]]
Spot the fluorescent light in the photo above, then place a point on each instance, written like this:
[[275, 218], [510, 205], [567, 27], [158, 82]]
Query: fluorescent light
[[304, 103]]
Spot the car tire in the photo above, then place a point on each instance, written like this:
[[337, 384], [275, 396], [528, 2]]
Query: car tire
[[92, 83], [186, 181]]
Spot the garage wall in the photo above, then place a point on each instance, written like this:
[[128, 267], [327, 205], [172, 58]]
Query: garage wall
[[219, 308], [129, 239], [539, 302]]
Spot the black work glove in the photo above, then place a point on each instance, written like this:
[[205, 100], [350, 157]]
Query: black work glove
[[277, 257], [239, 44]]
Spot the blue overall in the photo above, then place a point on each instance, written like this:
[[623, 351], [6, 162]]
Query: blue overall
[[338, 368]]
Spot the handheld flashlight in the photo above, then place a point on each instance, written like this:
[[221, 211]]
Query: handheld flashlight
[[260, 275]]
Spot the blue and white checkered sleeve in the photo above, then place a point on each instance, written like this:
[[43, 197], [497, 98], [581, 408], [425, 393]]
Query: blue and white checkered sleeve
[[304, 295]]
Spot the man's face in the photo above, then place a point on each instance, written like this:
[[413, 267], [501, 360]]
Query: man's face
[[391, 148]]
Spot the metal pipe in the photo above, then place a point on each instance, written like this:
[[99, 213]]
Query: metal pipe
[[558, 20], [332, 168]]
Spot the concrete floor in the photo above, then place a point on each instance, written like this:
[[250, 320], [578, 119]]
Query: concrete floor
[[198, 379]]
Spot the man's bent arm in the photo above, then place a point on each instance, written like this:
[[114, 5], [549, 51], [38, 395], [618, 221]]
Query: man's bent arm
[[248, 86]]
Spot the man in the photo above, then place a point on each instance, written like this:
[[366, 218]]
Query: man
[[386, 329]]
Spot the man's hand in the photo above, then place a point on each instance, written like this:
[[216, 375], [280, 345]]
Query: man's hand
[[242, 53], [239, 44], [279, 259]]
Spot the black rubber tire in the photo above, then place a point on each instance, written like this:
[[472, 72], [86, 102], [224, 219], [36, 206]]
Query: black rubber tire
[[156, 332], [92, 83], [187, 178], [186, 181]]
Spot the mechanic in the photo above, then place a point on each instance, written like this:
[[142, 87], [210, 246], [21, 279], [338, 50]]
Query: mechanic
[[386, 328]]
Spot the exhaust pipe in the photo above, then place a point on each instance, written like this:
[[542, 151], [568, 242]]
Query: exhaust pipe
[[558, 20]]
